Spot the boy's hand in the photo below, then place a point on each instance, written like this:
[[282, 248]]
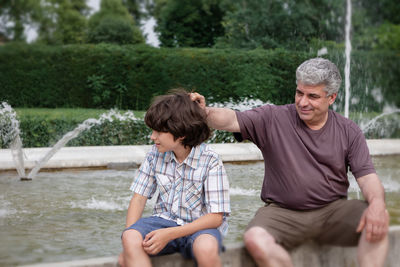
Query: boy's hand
[[156, 240]]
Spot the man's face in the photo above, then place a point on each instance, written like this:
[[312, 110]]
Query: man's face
[[312, 104]]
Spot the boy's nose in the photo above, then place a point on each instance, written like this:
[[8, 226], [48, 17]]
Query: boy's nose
[[153, 136]]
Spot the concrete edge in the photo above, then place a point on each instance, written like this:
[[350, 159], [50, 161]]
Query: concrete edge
[[309, 254], [123, 156]]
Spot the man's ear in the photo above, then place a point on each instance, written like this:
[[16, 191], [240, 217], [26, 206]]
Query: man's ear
[[332, 98]]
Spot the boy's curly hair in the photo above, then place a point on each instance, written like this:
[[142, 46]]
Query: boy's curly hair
[[177, 114]]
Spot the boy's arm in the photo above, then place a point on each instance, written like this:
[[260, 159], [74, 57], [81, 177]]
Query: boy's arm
[[135, 209], [156, 240]]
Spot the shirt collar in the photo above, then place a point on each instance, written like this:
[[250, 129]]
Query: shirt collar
[[191, 160]]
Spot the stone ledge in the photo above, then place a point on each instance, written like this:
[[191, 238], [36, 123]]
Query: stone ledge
[[236, 255], [126, 156]]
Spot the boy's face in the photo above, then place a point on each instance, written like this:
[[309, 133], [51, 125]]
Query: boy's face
[[165, 141]]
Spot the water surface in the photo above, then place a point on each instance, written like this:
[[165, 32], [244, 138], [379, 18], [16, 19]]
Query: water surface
[[69, 215]]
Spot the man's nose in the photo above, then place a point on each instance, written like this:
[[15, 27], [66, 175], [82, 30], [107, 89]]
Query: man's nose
[[303, 101]]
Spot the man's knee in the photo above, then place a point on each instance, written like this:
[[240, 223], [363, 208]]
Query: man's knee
[[257, 240], [257, 234]]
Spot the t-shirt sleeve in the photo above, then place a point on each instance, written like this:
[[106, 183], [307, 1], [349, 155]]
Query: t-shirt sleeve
[[253, 124], [216, 189], [359, 158], [145, 182]]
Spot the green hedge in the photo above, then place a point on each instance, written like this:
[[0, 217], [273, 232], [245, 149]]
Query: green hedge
[[127, 77], [42, 132]]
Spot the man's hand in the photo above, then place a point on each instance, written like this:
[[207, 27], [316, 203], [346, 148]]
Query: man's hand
[[156, 240], [375, 221], [196, 97]]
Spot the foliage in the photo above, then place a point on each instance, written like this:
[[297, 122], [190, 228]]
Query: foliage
[[273, 23], [383, 37], [44, 127], [114, 30], [189, 23], [13, 16], [47, 128], [127, 77], [113, 24], [134, 8], [62, 21]]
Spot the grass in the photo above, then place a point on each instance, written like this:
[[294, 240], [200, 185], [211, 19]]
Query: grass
[[76, 113]]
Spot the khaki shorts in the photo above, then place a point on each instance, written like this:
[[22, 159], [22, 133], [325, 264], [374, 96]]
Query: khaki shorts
[[334, 224]]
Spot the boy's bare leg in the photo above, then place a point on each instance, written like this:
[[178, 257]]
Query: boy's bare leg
[[205, 250], [372, 254], [133, 254], [264, 250]]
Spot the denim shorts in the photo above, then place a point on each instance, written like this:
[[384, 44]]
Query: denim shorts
[[182, 245]]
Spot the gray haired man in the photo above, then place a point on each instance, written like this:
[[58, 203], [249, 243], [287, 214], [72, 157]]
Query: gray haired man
[[307, 151]]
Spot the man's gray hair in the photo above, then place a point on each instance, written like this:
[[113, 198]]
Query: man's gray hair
[[318, 71]]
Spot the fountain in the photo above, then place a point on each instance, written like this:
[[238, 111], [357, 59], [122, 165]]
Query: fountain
[[10, 133], [347, 65], [9, 129]]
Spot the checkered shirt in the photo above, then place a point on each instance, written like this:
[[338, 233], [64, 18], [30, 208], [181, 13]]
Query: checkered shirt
[[187, 190]]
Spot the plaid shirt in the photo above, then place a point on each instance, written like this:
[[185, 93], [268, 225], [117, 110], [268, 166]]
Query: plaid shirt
[[187, 190]]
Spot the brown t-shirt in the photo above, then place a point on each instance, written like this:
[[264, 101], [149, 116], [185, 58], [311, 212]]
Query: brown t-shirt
[[304, 168]]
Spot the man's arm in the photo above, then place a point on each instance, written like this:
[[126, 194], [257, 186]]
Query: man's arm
[[156, 240], [375, 219], [135, 209], [218, 118]]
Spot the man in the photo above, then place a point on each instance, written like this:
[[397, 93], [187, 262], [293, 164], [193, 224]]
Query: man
[[307, 151]]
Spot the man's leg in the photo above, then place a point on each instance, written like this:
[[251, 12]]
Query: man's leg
[[265, 251], [372, 254], [205, 250], [133, 254]]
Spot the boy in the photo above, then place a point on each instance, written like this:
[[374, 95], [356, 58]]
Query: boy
[[190, 213]]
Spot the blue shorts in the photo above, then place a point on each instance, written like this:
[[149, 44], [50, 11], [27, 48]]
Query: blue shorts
[[182, 245]]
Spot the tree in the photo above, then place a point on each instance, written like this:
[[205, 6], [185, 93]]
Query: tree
[[62, 21], [276, 23], [194, 23], [14, 14], [113, 24], [376, 25]]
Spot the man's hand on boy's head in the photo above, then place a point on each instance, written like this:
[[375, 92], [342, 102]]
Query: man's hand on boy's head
[[196, 97], [156, 240]]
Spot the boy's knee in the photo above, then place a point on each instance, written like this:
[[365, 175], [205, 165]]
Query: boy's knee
[[206, 249], [132, 239]]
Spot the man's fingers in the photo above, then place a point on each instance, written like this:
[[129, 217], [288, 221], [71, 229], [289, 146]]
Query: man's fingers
[[196, 97], [361, 224]]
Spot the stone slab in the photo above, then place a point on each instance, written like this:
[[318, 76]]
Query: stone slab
[[119, 156]]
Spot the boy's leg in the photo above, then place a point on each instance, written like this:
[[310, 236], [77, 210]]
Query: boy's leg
[[133, 254], [132, 238], [206, 245]]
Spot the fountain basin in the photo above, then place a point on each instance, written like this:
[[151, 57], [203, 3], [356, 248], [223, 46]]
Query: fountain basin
[[70, 215], [129, 156]]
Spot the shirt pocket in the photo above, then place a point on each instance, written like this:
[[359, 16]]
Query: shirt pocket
[[193, 194], [164, 184]]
